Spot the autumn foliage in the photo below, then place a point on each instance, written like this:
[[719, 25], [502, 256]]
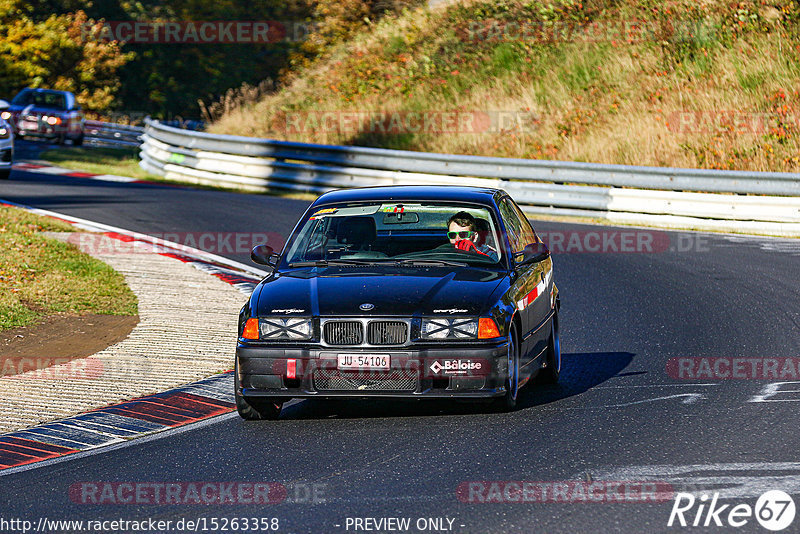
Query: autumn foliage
[[678, 83], [51, 52]]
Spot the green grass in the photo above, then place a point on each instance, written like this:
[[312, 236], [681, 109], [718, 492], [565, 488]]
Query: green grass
[[751, 82], [118, 161], [41, 276], [506, 58]]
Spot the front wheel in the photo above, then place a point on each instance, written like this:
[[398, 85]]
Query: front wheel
[[508, 402], [551, 373], [254, 409]]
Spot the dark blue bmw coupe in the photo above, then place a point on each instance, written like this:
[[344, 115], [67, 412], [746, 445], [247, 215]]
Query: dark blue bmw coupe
[[404, 291]]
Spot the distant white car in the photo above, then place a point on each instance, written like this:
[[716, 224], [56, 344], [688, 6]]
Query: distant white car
[[6, 144]]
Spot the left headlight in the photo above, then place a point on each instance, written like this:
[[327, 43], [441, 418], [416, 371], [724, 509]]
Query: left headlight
[[294, 328], [446, 328]]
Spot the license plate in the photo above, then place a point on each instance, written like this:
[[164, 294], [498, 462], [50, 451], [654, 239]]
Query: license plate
[[363, 361], [28, 125]]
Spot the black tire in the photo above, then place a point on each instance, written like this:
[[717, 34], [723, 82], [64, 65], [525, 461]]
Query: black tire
[[5, 174], [508, 402], [254, 409], [551, 373], [61, 139], [78, 141]]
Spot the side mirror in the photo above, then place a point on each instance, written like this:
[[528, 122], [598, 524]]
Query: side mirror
[[4, 105], [533, 253], [263, 255]]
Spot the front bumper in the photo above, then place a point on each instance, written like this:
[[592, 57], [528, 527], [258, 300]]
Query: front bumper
[[43, 133], [31, 128], [414, 372]]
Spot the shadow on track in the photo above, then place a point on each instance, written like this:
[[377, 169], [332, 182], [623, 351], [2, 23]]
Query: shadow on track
[[580, 372]]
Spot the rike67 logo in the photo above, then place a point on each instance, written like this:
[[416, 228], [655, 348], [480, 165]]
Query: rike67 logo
[[774, 510]]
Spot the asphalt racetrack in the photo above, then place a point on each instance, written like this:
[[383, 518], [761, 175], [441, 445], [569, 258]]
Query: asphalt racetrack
[[635, 402]]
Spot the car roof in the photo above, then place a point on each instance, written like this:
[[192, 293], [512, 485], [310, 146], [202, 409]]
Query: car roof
[[68, 96], [409, 193], [43, 90]]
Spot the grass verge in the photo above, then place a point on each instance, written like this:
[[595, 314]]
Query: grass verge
[[42, 276], [118, 161]]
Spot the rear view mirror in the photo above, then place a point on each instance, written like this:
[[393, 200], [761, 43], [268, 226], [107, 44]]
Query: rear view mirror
[[533, 253], [264, 255], [400, 217]]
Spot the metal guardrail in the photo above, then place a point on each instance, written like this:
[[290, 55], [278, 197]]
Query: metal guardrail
[[704, 199], [110, 134]]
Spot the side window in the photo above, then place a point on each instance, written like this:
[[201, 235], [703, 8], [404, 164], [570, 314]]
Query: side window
[[317, 239], [520, 233], [528, 235], [511, 223], [308, 245]]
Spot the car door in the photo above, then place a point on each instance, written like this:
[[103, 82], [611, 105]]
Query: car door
[[533, 283], [525, 280]]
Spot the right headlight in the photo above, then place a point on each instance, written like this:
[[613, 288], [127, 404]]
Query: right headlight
[[283, 328], [449, 328], [4, 132]]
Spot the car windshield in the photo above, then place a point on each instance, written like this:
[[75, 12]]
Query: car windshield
[[41, 99], [418, 233]]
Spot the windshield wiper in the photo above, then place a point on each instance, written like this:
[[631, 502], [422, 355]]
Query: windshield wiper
[[381, 261], [325, 263], [423, 261]]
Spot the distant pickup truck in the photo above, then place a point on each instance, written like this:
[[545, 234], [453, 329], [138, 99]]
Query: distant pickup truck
[[46, 113]]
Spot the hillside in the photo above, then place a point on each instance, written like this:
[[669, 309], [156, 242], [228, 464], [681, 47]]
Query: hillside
[[684, 83]]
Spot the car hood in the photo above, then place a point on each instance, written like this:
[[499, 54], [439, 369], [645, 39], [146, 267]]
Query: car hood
[[400, 292]]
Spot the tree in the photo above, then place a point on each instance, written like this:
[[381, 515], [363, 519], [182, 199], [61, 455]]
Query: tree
[[58, 52]]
